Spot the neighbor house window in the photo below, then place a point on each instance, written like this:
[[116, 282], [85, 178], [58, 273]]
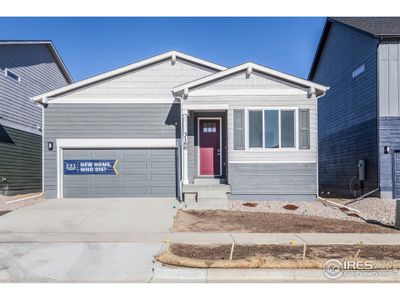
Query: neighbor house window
[[12, 75], [272, 128], [359, 71]]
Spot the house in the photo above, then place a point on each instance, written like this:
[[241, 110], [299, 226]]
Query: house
[[27, 68], [359, 119], [171, 122]]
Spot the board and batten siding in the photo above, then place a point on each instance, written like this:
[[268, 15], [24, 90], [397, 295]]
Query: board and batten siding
[[39, 73], [347, 115], [389, 112], [389, 78], [106, 121], [297, 167]]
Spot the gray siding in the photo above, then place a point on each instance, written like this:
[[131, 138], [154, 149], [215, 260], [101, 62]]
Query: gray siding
[[347, 115], [279, 179], [104, 121], [389, 135], [20, 161], [389, 78], [39, 73]]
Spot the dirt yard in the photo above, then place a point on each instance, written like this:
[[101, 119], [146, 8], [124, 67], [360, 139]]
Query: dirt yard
[[286, 252], [261, 222]]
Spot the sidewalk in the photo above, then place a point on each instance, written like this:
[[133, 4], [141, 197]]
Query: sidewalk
[[284, 238], [201, 238]]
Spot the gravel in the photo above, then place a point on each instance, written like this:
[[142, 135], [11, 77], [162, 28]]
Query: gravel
[[372, 209]]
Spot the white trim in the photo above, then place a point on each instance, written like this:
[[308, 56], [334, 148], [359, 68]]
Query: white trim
[[104, 143], [6, 74], [205, 107], [220, 145], [128, 68], [255, 67], [250, 92], [17, 126], [272, 162], [112, 100], [185, 147], [280, 148]]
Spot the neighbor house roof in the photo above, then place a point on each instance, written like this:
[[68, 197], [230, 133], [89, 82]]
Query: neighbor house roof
[[376, 27], [128, 68], [251, 67], [52, 49]]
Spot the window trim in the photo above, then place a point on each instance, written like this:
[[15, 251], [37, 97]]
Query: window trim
[[263, 149], [7, 71]]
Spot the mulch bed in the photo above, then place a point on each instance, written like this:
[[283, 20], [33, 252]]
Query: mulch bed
[[3, 212], [262, 222], [286, 252]]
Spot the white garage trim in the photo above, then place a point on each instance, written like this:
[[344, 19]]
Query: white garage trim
[[105, 143]]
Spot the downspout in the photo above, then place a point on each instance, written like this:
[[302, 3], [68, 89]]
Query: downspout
[[317, 125]]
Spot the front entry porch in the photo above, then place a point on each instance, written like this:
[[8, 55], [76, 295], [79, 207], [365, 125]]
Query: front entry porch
[[204, 159]]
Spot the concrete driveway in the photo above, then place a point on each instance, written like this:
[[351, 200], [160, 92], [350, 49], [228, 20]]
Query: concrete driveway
[[84, 240]]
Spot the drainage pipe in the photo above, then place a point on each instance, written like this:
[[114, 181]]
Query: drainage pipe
[[337, 204], [361, 197]]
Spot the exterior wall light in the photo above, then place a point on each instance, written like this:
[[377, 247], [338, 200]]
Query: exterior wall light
[[386, 149], [50, 146]]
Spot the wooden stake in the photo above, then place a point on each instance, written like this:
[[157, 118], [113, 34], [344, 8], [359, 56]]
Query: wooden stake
[[304, 251], [357, 253], [232, 248]]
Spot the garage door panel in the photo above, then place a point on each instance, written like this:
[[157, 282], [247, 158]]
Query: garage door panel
[[141, 173], [77, 192]]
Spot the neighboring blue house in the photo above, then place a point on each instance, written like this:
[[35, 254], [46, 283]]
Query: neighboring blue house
[[359, 119], [27, 68]]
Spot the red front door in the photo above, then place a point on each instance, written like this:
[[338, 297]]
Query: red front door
[[210, 147]]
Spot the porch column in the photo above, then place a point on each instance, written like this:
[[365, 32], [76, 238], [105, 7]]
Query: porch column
[[185, 146]]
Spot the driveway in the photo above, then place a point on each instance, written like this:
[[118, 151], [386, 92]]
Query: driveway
[[84, 240]]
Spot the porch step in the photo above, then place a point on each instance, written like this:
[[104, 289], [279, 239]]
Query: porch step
[[209, 181], [202, 196]]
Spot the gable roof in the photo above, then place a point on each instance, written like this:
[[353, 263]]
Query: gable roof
[[128, 68], [52, 49], [375, 27], [250, 66]]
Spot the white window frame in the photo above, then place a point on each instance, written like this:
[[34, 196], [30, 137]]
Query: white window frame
[[280, 148], [6, 71]]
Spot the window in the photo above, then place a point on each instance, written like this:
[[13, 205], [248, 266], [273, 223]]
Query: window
[[272, 128], [12, 75], [209, 127], [359, 71]]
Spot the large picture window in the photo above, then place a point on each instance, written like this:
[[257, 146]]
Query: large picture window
[[272, 128]]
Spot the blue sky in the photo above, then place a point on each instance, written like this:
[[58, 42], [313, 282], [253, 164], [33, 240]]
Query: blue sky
[[92, 45]]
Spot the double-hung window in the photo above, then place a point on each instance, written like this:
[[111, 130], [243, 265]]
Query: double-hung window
[[272, 128]]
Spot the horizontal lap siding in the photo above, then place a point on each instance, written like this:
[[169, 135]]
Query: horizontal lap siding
[[348, 113], [105, 121], [273, 179], [39, 73], [20, 161], [241, 102]]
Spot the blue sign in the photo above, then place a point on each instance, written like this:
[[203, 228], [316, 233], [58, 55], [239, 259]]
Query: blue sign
[[90, 167]]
